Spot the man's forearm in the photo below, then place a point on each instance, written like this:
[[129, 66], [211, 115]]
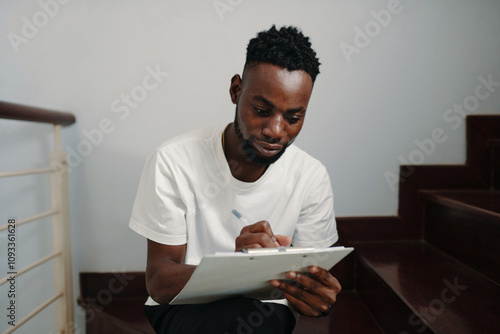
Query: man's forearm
[[166, 282]]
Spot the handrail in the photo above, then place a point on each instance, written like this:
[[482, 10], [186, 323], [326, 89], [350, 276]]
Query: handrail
[[61, 237], [21, 112]]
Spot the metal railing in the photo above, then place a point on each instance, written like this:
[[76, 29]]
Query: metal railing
[[61, 237]]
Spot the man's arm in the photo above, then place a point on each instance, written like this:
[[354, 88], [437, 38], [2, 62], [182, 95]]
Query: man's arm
[[166, 273], [313, 292]]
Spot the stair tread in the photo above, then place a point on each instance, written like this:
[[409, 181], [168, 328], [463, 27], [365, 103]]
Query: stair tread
[[447, 295], [484, 203], [130, 311]]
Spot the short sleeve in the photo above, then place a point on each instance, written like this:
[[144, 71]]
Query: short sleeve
[[316, 226], [159, 212]]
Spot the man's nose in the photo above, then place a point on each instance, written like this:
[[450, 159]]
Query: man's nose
[[275, 128]]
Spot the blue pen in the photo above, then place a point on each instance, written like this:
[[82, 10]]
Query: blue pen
[[244, 221], [239, 216]]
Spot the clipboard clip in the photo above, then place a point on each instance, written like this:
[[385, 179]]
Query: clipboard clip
[[280, 249]]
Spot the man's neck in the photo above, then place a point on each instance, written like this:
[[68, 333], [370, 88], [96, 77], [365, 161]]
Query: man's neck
[[239, 164]]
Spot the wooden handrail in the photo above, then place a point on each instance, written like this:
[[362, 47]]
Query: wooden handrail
[[21, 112]]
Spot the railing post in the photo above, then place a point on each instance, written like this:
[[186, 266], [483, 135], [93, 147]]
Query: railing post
[[61, 236]]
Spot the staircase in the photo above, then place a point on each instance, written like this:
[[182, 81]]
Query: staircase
[[434, 268]]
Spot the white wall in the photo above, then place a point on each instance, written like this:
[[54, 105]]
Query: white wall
[[367, 110]]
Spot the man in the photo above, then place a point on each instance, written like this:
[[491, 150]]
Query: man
[[192, 182]]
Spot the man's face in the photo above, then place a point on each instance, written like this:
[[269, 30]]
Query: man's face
[[271, 104]]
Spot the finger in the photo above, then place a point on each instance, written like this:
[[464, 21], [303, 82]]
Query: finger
[[264, 227], [325, 278], [302, 299], [305, 281], [306, 309], [298, 291], [327, 293], [284, 240], [247, 243], [300, 306], [253, 240]]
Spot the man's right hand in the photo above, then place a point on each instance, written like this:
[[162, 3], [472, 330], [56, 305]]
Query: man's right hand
[[260, 235]]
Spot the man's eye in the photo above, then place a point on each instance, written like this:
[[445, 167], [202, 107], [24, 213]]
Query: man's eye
[[293, 120], [261, 111]]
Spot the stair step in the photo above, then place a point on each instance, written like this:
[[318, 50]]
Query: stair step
[[482, 203], [466, 225], [414, 287], [130, 312], [122, 315]]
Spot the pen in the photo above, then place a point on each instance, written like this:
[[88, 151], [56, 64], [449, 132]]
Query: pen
[[244, 221], [239, 216]]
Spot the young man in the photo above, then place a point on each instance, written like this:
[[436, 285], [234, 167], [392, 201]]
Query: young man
[[191, 184]]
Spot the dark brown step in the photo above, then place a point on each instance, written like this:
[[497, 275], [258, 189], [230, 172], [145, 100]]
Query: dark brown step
[[466, 225], [482, 203], [480, 171], [113, 303], [122, 315], [413, 287]]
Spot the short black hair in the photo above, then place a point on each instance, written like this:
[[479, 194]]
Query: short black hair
[[286, 47]]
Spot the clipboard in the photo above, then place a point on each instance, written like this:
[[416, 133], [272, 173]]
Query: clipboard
[[231, 274]]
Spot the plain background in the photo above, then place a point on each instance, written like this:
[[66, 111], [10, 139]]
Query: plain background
[[367, 113]]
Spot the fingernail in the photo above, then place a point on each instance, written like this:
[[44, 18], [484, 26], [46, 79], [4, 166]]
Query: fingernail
[[314, 269], [275, 283], [291, 274]]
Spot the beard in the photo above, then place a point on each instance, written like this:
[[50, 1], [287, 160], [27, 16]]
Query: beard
[[246, 146]]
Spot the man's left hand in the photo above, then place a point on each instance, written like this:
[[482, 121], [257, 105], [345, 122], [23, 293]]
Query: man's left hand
[[311, 294]]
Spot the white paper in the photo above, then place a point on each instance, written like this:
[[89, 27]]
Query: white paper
[[224, 275]]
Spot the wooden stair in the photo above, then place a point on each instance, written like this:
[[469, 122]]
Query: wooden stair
[[414, 287], [433, 268]]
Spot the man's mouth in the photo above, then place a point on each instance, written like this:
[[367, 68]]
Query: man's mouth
[[266, 149]]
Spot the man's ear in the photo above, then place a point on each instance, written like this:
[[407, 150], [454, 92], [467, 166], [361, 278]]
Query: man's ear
[[235, 88]]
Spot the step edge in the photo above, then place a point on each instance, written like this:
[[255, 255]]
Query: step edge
[[437, 196]]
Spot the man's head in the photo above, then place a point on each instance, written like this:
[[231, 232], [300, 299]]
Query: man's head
[[286, 47], [272, 97]]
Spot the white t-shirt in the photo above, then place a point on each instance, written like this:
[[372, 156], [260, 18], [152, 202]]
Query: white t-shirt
[[187, 192]]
